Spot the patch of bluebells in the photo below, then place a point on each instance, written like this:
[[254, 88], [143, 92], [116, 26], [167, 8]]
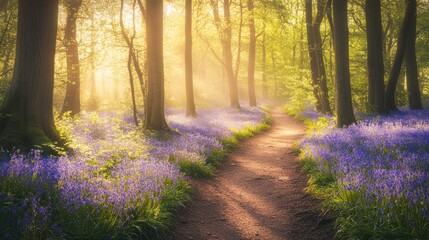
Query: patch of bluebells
[[115, 171], [382, 168]]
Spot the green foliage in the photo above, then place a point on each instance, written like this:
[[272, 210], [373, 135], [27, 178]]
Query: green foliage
[[196, 169], [365, 220], [321, 185], [148, 220], [215, 157]]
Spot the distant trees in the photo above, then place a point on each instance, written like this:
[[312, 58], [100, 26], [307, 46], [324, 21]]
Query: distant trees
[[27, 119], [315, 49], [154, 104], [252, 54], [375, 56], [224, 33], [281, 47], [343, 98], [72, 98], [132, 58], [414, 96], [190, 105], [405, 47]]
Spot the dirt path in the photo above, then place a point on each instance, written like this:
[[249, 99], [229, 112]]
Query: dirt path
[[258, 193]]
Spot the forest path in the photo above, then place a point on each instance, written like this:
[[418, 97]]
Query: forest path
[[257, 193]]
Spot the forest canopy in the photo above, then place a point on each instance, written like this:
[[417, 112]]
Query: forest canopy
[[282, 63]]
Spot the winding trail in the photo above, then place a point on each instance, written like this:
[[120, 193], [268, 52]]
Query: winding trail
[[258, 193]]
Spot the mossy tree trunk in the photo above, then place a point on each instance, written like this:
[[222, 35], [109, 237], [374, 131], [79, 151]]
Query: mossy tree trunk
[[345, 115], [72, 98], [154, 104], [27, 119]]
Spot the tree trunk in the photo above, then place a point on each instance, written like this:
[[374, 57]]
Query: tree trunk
[[318, 72], [312, 53], [154, 111], [375, 56], [72, 98], [323, 86], [224, 31], [190, 105], [389, 100], [264, 66], [27, 119], [133, 95], [252, 55], [240, 31], [345, 116], [93, 99], [129, 40], [414, 96]]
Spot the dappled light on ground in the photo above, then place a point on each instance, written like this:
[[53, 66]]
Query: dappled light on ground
[[258, 193]]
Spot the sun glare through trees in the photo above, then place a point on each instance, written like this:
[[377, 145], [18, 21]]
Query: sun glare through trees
[[109, 107]]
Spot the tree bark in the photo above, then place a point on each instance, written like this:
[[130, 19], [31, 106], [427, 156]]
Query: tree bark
[[323, 85], [129, 40], [154, 110], [93, 99], [27, 119], [414, 96], [224, 31], [312, 53], [133, 96], [252, 55], [190, 105], [264, 65], [389, 100], [72, 99], [375, 56], [345, 115], [315, 49]]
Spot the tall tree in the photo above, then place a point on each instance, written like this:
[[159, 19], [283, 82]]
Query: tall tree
[[190, 105], [375, 56], [399, 57], [27, 117], [344, 109], [252, 54], [224, 29], [315, 48], [414, 96], [93, 102], [72, 98], [154, 104], [129, 40], [132, 58], [264, 63], [8, 16]]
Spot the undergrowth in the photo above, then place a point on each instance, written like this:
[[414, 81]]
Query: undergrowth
[[374, 175], [118, 182]]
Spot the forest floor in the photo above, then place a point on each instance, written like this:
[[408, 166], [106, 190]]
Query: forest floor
[[257, 193]]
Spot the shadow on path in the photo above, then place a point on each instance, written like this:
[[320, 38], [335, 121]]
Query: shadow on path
[[258, 193]]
